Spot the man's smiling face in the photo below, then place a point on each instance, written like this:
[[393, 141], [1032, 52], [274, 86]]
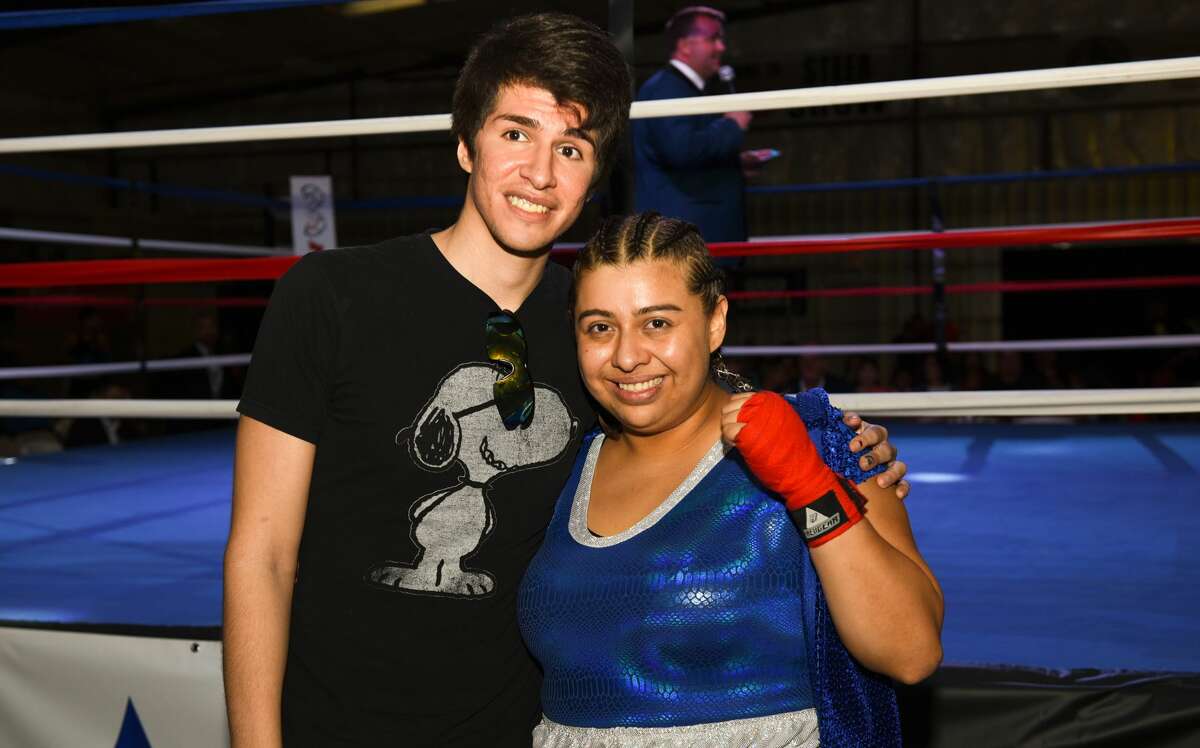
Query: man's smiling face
[[532, 168]]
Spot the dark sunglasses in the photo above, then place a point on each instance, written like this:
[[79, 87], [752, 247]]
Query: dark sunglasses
[[513, 392]]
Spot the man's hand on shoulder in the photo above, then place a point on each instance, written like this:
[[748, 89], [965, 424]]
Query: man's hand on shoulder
[[873, 438]]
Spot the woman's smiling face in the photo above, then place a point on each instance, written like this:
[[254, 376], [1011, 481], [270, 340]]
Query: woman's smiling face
[[644, 343]]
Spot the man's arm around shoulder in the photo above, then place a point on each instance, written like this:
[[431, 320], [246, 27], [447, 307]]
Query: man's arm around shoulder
[[271, 476]]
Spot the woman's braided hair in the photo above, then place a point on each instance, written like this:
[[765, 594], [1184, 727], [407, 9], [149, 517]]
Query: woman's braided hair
[[646, 237]]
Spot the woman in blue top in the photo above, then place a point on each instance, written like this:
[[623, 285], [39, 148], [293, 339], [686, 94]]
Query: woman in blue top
[[700, 584]]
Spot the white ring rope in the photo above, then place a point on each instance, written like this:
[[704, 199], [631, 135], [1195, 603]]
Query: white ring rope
[[123, 367], [233, 134], [952, 404], [928, 88], [101, 240], [101, 408], [732, 351], [1023, 402], [858, 93], [985, 346]]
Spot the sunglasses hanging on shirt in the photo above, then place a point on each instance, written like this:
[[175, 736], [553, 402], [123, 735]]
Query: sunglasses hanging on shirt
[[513, 390]]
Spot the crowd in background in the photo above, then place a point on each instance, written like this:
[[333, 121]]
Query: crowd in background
[[1006, 370], [92, 342]]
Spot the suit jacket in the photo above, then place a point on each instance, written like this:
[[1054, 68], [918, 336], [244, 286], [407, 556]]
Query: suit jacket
[[688, 167], [193, 384]]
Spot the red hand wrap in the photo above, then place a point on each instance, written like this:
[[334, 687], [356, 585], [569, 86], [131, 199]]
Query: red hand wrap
[[776, 447]]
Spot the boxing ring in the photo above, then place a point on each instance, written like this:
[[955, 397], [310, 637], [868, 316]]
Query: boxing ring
[[1044, 559], [1066, 550]]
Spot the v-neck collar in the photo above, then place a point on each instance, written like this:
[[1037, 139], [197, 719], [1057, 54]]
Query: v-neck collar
[[578, 526]]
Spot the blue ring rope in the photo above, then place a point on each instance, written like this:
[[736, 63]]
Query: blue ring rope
[[454, 201], [41, 19]]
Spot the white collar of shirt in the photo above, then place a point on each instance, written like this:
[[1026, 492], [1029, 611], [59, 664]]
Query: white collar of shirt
[[688, 73]]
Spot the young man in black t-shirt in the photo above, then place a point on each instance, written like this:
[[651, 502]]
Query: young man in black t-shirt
[[384, 510]]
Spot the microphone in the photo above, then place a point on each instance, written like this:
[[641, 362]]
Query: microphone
[[726, 74]]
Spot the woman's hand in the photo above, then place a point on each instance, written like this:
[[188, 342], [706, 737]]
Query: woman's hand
[[730, 426], [871, 437], [775, 445]]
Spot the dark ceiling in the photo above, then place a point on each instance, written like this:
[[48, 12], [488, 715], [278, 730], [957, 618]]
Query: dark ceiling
[[128, 70]]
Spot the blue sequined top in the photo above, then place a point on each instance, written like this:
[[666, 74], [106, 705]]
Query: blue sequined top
[[706, 610]]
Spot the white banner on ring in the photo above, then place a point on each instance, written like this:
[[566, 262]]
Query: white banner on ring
[[65, 688]]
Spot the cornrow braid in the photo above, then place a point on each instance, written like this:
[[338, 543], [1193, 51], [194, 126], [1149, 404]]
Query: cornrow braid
[[644, 222], [623, 240], [673, 231], [603, 237]]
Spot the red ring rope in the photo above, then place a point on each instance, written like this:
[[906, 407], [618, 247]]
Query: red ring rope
[[118, 272], [1175, 228], [125, 301], [1091, 284], [1096, 284]]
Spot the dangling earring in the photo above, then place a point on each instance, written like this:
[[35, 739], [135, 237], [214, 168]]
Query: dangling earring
[[730, 377]]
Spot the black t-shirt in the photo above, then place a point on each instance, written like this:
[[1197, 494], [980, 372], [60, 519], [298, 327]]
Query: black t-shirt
[[423, 510]]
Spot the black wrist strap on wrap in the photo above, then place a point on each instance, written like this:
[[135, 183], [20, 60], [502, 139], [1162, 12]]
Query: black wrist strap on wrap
[[830, 514]]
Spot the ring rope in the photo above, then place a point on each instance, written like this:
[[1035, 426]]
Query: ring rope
[[59, 18], [209, 194], [858, 93], [985, 346], [189, 302], [1042, 286], [952, 404], [121, 408], [123, 367], [732, 351], [1089, 284], [101, 240], [120, 272], [1008, 236], [1024, 402], [116, 272], [1008, 177]]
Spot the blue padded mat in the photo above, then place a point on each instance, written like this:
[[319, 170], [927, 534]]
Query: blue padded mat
[[1057, 546], [131, 534]]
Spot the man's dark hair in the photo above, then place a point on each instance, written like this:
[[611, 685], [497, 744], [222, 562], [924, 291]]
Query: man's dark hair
[[572, 59], [683, 23]]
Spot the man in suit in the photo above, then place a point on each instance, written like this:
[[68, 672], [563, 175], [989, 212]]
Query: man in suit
[[209, 383], [691, 167]]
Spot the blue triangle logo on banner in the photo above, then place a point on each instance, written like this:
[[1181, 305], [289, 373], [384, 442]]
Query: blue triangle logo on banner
[[132, 735]]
